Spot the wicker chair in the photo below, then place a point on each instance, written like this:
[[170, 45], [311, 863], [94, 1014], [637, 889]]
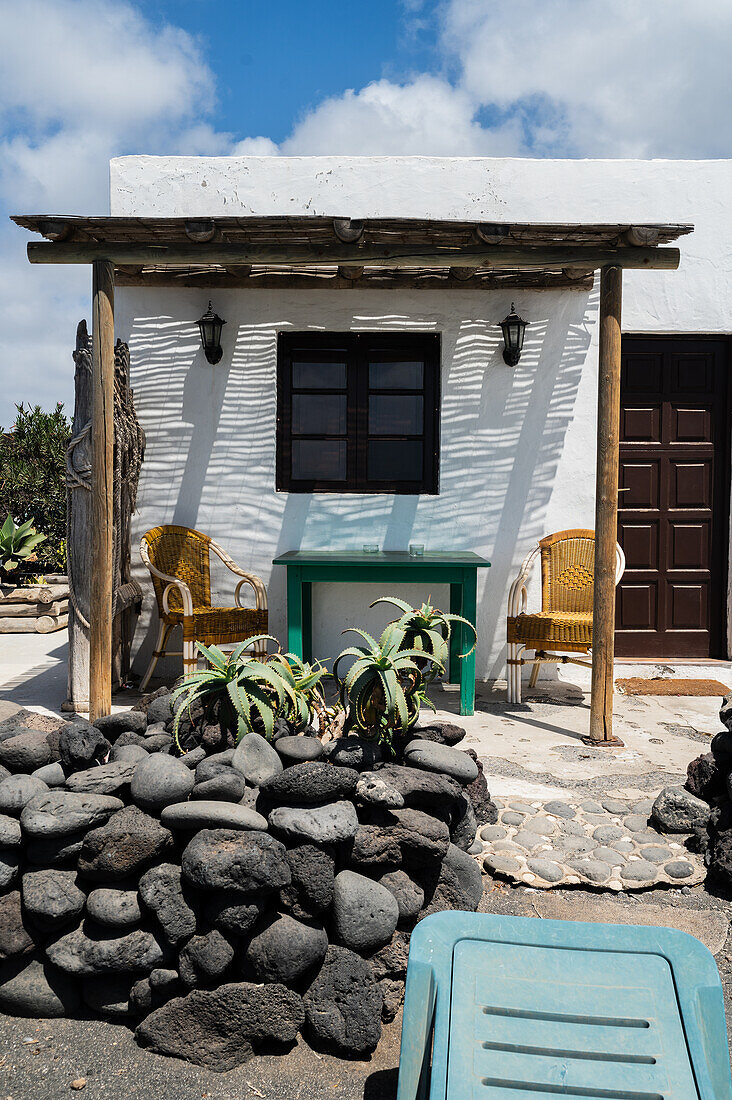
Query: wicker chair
[[565, 620], [178, 560]]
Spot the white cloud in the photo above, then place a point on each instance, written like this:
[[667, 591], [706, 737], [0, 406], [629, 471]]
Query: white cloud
[[93, 79]]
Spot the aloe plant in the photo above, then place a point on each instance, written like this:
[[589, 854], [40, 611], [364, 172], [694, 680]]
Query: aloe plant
[[384, 687], [247, 693], [428, 630], [17, 544]]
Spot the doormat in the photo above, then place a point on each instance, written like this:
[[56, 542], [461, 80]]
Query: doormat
[[637, 685]]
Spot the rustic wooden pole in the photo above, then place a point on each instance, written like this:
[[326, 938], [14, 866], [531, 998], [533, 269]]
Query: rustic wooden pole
[[606, 506], [102, 517]]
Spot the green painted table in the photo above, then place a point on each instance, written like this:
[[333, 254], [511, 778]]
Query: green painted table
[[459, 570]]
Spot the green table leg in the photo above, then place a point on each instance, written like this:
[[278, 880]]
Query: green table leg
[[467, 669], [294, 610], [456, 638], [307, 620]]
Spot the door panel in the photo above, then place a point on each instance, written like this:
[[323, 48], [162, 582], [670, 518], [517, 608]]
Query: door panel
[[673, 504]]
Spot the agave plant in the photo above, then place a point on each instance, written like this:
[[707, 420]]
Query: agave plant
[[428, 630], [17, 544], [248, 694], [384, 686], [305, 680]]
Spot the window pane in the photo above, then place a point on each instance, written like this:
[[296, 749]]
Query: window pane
[[319, 459], [319, 376], [396, 376], [318, 414], [396, 415], [395, 460]]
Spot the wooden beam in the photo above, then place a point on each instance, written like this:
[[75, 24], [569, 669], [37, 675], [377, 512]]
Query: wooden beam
[[606, 507], [217, 279], [391, 255], [102, 516]]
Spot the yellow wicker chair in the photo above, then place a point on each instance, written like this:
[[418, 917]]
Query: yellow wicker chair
[[565, 620], [179, 562]]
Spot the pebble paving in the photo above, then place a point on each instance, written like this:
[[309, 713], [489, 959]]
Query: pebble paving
[[611, 845]]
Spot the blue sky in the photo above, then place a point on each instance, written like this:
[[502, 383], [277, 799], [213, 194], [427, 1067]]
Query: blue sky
[[93, 79]]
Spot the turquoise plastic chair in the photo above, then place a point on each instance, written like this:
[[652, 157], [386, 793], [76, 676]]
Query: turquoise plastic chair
[[517, 1008]]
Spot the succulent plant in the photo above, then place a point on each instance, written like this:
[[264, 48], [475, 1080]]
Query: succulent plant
[[428, 630], [17, 544]]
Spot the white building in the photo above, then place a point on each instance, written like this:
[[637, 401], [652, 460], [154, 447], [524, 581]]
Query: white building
[[517, 445]]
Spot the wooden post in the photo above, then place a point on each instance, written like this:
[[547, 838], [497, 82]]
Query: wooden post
[[102, 515], [606, 507]]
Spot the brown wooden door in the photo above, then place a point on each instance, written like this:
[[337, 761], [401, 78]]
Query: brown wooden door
[[673, 501]]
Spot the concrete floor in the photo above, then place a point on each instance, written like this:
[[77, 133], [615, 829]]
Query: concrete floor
[[533, 749]]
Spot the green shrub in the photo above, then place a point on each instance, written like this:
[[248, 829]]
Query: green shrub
[[18, 545], [32, 471]]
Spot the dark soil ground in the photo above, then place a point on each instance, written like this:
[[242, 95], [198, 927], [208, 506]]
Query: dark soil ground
[[39, 1059]]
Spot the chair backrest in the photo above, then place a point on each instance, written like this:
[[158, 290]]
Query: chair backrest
[[567, 571], [182, 553]]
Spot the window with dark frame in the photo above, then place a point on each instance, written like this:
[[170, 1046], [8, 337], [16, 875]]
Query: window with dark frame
[[358, 412]]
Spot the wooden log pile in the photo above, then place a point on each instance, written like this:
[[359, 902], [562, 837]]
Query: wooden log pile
[[39, 608]]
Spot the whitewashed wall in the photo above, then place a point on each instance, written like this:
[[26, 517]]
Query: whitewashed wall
[[518, 446]]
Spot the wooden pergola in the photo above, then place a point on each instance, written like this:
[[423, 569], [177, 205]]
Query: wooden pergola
[[339, 253]]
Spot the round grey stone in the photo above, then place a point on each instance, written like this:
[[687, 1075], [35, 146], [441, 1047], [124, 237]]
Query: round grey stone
[[352, 752], [256, 759], [560, 809], [679, 868], [591, 807], [594, 870], [639, 870], [127, 754], [296, 749], [285, 949], [546, 869], [53, 775], [508, 846], [114, 907], [615, 806], [571, 828], [607, 833], [321, 824], [492, 832], [211, 815], [522, 807], [656, 853], [636, 823], [227, 787], [194, 757], [648, 836], [593, 820], [51, 897], [246, 861], [40, 991], [10, 834], [609, 855], [365, 913], [501, 864], [528, 840], [105, 779], [434, 757], [644, 807], [27, 750], [160, 781], [510, 817], [624, 845], [60, 813], [9, 868], [541, 825], [575, 845], [17, 790]]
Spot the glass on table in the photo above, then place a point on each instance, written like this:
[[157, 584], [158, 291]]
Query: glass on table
[[370, 548], [416, 549]]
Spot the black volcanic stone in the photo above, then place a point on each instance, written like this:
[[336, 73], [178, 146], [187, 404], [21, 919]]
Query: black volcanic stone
[[343, 1005], [444, 733], [227, 787], [311, 783], [51, 897], [352, 752], [704, 778], [223, 859], [422, 790], [311, 889], [28, 749], [170, 900], [389, 838], [485, 809], [285, 949], [130, 841], [205, 959], [231, 911], [81, 746], [129, 721]]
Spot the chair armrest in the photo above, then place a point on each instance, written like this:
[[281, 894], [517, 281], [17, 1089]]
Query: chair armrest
[[417, 1023], [257, 584], [170, 582], [517, 595]]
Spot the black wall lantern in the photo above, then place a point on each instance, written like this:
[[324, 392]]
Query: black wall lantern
[[513, 329], [210, 326]]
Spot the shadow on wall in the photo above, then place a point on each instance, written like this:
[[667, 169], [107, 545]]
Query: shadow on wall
[[210, 460]]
